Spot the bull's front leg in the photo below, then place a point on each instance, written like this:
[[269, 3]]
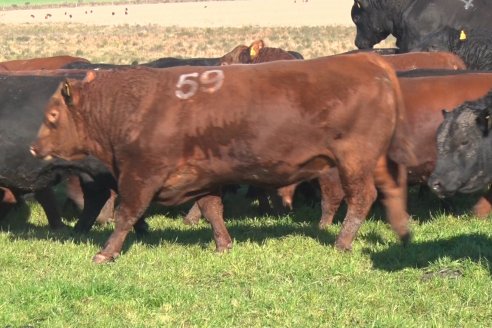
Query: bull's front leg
[[358, 185], [46, 197], [332, 195], [391, 180], [136, 193], [484, 205], [213, 210]]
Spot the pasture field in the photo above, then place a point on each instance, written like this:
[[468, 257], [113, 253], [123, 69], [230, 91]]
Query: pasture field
[[282, 272]]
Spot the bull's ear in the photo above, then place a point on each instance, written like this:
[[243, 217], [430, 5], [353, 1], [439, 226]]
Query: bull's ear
[[445, 113], [255, 47], [89, 77], [484, 122], [359, 3]]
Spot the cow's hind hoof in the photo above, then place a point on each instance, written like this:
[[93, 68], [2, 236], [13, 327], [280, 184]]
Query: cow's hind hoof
[[406, 239], [340, 246], [100, 258], [224, 248]]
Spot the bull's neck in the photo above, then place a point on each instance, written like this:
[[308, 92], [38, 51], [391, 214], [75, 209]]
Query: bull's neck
[[93, 135], [396, 10]]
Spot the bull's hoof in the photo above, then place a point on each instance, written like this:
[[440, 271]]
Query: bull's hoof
[[101, 258], [343, 247], [406, 239], [224, 248], [58, 226], [191, 219], [323, 225], [80, 230]]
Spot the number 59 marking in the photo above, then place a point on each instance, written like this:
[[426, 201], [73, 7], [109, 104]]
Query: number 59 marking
[[208, 81]]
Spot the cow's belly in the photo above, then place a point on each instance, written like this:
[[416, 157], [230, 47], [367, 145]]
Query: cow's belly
[[192, 180]]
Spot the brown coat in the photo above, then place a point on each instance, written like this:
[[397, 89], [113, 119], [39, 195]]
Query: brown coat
[[176, 134], [40, 63], [425, 99]]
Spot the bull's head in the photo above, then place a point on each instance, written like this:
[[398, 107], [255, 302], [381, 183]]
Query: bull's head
[[59, 134], [243, 54], [372, 24], [464, 149]]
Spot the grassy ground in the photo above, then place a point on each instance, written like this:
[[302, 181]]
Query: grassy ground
[[282, 272]]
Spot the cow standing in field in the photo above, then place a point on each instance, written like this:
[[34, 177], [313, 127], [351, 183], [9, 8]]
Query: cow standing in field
[[178, 134], [425, 97], [47, 63], [409, 21], [464, 142], [473, 46]]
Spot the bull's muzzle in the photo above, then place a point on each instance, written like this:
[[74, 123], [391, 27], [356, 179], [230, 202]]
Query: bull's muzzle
[[35, 152]]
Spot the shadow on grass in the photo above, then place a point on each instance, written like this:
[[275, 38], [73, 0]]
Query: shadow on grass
[[475, 247], [21, 229]]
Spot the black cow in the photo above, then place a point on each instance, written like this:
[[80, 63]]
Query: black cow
[[464, 143], [23, 98], [159, 63], [473, 46], [410, 20]]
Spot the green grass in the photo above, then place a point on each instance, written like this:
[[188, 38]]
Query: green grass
[[282, 272]]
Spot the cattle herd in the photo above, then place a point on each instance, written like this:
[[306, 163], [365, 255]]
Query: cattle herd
[[175, 130]]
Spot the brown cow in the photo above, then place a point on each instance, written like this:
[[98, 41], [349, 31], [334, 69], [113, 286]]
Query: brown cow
[[40, 63], [292, 124], [255, 53], [425, 98]]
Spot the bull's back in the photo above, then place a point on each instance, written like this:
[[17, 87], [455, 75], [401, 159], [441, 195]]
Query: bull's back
[[48, 63], [271, 117], [425, 60]]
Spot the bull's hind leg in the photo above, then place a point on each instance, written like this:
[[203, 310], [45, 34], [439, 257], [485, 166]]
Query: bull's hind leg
[[331, 196], [46, 197], [358, 185], [212, 209], [135, 194], [391, 180], [484, 205]]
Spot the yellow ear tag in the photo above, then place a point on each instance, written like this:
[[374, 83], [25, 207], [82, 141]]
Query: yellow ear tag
[[462, 36], [252, 52]]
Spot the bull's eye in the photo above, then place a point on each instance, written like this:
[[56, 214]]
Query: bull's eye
[[464, 143]]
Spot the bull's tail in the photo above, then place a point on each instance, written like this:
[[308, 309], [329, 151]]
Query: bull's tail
[[401, 150]]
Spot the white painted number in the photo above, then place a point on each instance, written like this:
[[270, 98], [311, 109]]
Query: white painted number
[[208, 81], [214, 78], [468, 4], [186, 81]]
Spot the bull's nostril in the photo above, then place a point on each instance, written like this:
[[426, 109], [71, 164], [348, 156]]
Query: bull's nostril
[[436, 185]]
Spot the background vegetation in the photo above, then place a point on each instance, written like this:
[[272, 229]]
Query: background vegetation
[[125, 44], [282, 272], [22, 4]]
